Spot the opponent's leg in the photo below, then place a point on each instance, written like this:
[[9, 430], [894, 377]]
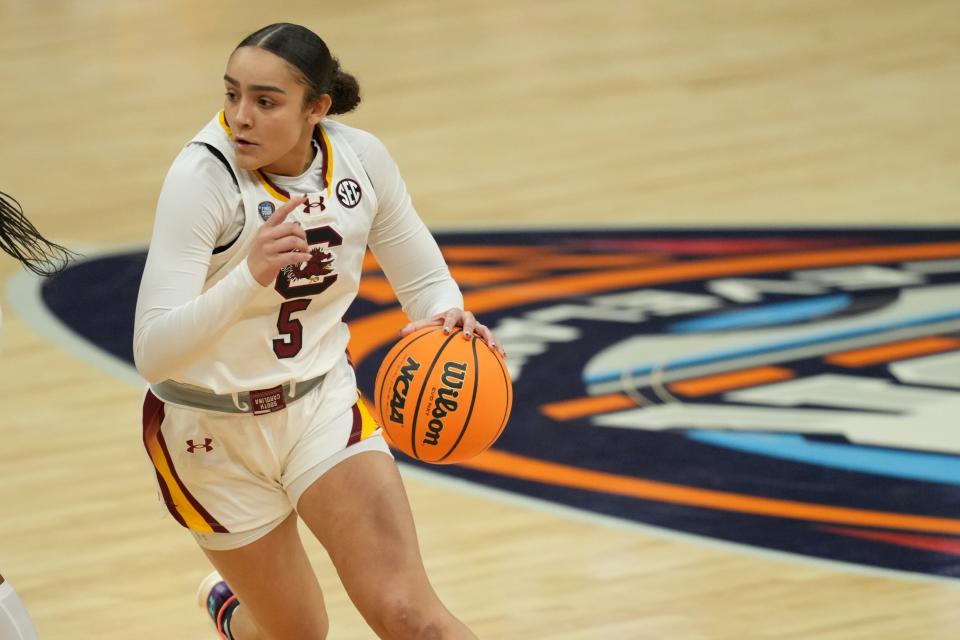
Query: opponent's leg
[[278, 592], [359, 511], [15, 623]]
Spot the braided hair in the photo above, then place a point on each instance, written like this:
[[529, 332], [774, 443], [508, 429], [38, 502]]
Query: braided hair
[[20, 239]]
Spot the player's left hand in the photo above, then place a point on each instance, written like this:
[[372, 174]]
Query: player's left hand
[[455, 317]]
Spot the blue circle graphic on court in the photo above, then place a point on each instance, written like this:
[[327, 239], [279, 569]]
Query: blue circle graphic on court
[[795, 392]]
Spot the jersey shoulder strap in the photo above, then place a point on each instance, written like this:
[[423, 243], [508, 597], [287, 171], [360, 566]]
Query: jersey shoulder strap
[[223, 160]]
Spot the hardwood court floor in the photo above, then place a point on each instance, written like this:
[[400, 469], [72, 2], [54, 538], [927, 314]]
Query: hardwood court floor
[[502, 113]]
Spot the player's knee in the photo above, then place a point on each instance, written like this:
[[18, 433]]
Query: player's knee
[[319, 628], [317, 631], [322, 629], [309, 627], [403, 618]]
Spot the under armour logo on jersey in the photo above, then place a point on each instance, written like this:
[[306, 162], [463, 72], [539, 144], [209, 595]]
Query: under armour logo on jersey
[[206, 445], [348, 193], [307, 206]]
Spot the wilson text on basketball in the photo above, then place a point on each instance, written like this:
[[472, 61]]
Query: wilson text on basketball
[[446, 400]]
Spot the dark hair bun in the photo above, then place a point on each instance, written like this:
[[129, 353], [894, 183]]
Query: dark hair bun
[[345, 93]]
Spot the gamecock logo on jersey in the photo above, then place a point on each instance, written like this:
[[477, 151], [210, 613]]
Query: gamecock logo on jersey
[[315, 275], [319, 265]]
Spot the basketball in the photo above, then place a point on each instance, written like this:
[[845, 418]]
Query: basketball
[[443, 399]]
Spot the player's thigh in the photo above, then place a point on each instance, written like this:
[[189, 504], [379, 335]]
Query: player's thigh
[[275, 583], [360, 513]]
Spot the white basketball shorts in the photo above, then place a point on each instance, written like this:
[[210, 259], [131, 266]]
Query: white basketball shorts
[[232, 478]]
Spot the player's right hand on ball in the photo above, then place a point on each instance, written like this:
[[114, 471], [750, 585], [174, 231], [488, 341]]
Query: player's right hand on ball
[[278, 244]]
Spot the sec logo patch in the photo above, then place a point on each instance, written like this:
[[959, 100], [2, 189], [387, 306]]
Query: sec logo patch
[[348, 193]]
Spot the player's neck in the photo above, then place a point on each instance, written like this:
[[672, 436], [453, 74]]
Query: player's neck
[[297, 160]]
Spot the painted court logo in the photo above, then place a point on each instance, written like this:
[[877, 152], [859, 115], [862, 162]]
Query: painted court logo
[[795, 391], [788, 391]]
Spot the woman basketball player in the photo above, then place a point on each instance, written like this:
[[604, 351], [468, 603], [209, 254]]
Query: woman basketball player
[[253, 415], [21, 240]]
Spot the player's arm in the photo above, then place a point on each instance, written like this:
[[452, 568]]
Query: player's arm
[[175, 323], [410, 257]]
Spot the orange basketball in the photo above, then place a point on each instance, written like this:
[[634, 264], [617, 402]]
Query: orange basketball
[[441, 398]]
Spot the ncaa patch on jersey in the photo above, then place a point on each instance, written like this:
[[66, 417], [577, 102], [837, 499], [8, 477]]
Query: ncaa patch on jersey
[[792, 390], [266, 209]]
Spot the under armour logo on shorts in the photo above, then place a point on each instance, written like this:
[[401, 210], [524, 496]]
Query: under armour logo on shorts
[[206, 445]]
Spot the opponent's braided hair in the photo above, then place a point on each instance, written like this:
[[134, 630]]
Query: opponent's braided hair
[[20, 239]]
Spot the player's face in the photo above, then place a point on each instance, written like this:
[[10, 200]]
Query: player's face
[[265, 111]]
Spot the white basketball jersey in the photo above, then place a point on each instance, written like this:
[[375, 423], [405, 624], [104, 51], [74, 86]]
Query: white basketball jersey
[[293, 329]]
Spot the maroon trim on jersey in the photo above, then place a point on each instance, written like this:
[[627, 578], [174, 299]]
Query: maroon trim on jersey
[[263, 176], [324, 166], [153, 415], [325, 155], [357, 428]]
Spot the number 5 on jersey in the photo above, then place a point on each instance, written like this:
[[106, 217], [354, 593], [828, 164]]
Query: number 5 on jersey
[[290, 329]]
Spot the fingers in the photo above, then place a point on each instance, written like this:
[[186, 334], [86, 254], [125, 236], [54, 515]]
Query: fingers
[[469, 322], [415, 326], [278, 237], [420, 324], [275, 232], [453, 318], [472, 327], [450, 319], [278, 244], [484, 332], [291, 258], [287, 244], [281, 214]]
